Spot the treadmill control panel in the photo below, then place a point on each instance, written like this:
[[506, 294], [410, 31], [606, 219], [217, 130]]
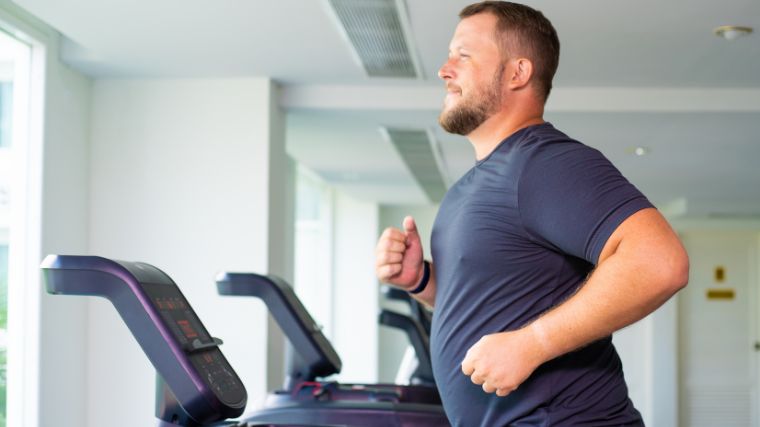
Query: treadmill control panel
[[201, 348], [195, 383]]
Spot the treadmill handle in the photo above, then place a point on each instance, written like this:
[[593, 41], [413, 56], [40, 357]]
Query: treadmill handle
[[417, 337]]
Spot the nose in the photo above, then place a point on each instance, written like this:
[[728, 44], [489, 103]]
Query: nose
[[446, 72]]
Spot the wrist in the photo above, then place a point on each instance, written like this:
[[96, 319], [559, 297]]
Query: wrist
[[541, 338], [422, 284]]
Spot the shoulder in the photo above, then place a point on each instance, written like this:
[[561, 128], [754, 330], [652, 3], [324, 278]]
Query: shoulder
[[544, 150], [546, 140]]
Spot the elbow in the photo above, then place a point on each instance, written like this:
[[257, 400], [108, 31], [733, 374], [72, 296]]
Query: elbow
[[677, 274], [670, 271]]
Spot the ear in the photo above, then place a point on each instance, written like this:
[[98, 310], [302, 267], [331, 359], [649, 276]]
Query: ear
[[521, 72]]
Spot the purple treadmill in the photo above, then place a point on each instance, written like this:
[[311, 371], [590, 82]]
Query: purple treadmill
[[196, 386], [305, 397]]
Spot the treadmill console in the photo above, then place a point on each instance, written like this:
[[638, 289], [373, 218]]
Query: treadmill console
[[203, 387], [202, 350]]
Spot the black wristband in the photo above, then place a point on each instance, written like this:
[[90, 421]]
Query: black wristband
[[425, 278]]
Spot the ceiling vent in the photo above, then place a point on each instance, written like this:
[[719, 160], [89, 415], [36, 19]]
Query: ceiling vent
[[379, 33], [422, 155]]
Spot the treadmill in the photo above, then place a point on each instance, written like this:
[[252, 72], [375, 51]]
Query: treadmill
[[416, 367], [305, 397], [420, 314], [196, 386]]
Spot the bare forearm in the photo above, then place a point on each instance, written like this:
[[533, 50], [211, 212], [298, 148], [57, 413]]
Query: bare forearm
[[628, 285], [616, 295]]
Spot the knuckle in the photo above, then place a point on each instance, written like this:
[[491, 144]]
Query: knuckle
[[387, 271], [477, 379]]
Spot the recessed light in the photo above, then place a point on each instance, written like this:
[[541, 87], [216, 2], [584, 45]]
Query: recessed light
[[732, 32], [639, 151]]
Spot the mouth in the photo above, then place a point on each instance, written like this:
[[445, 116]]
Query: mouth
[[452, 92], [453, 89]]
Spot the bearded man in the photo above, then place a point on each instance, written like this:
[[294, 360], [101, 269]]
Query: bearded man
[[539, 252]]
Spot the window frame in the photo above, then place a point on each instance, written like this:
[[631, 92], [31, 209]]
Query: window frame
[[24, 225]]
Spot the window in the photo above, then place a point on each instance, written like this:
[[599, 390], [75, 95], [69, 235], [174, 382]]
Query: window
[[6, 96], [3, 326], [313, 247], [15, 60]]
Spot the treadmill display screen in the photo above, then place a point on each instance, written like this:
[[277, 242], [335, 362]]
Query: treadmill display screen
[[206, 357], [177, 314]]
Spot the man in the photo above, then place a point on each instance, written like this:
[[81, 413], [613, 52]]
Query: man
[[540, 251]]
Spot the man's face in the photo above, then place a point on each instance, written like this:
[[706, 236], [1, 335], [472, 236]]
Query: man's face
[[472, 75]]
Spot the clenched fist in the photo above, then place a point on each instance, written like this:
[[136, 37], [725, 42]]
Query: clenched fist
[[399, 256], [501, 362]]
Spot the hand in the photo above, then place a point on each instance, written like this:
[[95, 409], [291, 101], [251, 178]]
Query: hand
[[399, 256], [501, 362]]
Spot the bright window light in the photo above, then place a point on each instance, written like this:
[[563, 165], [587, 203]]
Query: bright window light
[[19, 226]]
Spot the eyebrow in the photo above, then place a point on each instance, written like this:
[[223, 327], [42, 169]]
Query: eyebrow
[[459, 47]]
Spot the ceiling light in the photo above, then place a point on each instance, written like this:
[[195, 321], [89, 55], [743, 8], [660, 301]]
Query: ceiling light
[[639, 151], [732, 32]]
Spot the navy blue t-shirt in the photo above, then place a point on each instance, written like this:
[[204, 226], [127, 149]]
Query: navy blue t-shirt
[[515, 236]]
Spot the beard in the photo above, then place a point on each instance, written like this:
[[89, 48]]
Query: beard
[[472, 111]]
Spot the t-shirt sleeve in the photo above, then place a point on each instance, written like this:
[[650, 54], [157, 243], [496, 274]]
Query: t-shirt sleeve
[[572, 198]]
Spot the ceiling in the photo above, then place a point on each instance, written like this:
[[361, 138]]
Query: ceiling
[[645, 73]]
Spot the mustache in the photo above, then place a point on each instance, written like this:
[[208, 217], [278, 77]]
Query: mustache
[[451, 87]]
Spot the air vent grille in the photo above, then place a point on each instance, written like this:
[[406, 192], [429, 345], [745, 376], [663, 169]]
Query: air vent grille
[[375, 31], [416, 150]]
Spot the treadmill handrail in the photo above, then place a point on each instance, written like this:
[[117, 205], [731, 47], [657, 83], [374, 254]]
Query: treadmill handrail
[[417, 337], [318, 356], [418, 310], [119, 282]]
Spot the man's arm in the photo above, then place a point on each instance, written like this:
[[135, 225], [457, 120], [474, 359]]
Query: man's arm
[[640, 267], [399, 262]]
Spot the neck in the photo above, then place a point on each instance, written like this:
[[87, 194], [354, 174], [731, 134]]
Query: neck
[[500, 126]]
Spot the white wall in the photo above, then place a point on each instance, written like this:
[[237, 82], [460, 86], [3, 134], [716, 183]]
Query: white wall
[[63, 320], [635, 347], [280, 224], [187, 175], [391, 342], [355, 288], [649, 351], [664, 373]]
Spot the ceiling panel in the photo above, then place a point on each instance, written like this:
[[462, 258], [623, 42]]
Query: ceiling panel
[[646, 44]]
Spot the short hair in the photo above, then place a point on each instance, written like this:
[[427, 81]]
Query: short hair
[[523, 31]]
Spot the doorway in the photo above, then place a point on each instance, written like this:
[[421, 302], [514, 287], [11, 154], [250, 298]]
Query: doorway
[[718, 330]]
